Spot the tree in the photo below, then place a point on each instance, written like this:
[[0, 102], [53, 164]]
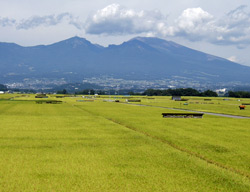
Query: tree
[[64, 91], [3, 88], [209, 93], [239, 94], [86, 92]]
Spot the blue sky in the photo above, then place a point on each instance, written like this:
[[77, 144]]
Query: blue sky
[[221, 28]]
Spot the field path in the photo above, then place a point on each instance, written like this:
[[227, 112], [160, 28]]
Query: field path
[[208, 113]]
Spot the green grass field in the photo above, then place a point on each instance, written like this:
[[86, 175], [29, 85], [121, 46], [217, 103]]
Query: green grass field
[[108, 146], [216, 105]]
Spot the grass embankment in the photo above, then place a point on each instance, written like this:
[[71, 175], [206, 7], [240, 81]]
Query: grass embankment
[[91, 147]]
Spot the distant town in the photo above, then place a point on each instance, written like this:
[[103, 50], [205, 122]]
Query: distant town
[[106, 83]]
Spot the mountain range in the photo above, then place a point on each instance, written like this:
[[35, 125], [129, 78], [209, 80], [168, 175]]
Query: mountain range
[[141, 58]]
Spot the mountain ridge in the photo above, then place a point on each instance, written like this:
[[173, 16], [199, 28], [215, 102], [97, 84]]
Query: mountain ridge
[[139, 58]]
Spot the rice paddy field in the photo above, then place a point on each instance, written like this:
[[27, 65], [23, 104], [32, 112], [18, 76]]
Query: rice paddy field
[[96, 144]]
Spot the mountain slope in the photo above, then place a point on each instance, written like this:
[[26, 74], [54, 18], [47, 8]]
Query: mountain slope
[[138, 58], [165, 58]]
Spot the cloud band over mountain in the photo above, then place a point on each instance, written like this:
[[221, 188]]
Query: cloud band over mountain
[[37, 21], [194, 24]]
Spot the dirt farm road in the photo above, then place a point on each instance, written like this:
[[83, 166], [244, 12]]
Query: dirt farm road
[[188, 110]]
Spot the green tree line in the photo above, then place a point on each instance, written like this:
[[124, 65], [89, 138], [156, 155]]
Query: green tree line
[[3, 88], [239, 94], [179, 92]]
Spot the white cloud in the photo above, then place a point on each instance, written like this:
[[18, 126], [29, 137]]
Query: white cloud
[[232, 58], [48, 20], [192, 18], [115, 19], [237, 27], [194, 24], [37, 21], [233, 29], [6, 22]]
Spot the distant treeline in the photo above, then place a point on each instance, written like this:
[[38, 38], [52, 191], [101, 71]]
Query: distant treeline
[[108, 92], [150, 92], [159, 92], [239, 94], [3, 88], [90, 92], [179, 92]]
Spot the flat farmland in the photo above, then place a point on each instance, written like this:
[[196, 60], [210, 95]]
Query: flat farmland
[[216, 105], [109, 146]]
